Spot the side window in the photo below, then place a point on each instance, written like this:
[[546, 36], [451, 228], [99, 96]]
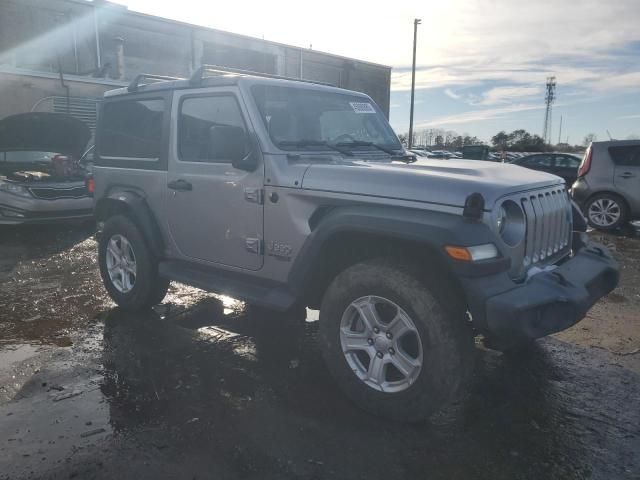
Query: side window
[[566, 161], [539, 161], [132, 128], [628, 156], [205, 125]]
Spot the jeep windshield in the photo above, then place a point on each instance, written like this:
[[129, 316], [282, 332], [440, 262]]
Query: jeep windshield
[[306, 119]]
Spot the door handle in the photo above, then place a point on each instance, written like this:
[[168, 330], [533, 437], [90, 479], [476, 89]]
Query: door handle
[[627, 175], [180, 184]]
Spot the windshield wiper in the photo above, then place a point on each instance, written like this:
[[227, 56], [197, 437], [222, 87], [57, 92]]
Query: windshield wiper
[[393, 153], [314, 143]]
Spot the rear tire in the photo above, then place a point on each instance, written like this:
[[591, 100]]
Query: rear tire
[[128, 268], [412, 373], [606, 212]]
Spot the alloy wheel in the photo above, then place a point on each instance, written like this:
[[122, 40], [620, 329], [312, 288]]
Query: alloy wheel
[[604, 212], [121, 263], [381, 344]]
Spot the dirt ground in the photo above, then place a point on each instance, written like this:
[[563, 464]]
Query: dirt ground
[[613, 324], [205, 387]]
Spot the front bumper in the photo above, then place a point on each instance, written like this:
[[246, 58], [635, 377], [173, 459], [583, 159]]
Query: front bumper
[[548, 302], [15, 210]]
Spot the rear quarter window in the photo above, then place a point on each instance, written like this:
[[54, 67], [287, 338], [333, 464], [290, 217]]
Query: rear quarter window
[[628, 155], [131, 129]]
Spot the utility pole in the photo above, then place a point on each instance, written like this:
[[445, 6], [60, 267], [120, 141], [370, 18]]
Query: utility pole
[[416, 22], [549, 99], [560, 132]]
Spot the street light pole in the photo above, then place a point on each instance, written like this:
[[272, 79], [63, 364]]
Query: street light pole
[[416, 22]]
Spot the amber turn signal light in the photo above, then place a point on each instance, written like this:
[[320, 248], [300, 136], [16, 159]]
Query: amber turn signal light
[[459, 253]]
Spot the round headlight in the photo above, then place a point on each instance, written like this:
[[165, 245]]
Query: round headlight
[[14, 189], [502, 219], [511, 223]]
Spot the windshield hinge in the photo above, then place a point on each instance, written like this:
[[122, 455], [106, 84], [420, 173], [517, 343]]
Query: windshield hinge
[[254, 245]]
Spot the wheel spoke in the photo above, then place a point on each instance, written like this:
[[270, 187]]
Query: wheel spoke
[[127, 251], [355, 341], [116, 279], [377, 370], [112, 247], [399, 325], [129, 269], [126, 280], [368, 314], [404, 363]]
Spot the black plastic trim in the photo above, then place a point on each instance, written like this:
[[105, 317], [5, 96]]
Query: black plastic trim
[[546, 303], [252, 289], [144, 219], [434, 229]]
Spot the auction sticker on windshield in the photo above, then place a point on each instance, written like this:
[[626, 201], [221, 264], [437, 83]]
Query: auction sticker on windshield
[[362, 107]]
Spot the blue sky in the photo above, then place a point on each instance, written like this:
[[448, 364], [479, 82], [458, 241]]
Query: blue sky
[[482, 64], [599, 93]]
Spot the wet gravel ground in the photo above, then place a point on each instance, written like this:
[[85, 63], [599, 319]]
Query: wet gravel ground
[[206, 387]]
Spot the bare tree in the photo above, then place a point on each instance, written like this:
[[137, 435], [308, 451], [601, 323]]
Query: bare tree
[[591, 137]]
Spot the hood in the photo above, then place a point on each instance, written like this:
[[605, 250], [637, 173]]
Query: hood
[[46, 132], [446, 182]]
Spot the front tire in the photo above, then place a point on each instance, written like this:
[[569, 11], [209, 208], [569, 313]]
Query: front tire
[[128, 268], [392, 342]]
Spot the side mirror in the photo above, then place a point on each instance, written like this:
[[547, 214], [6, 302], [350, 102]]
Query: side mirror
[[233, 143]]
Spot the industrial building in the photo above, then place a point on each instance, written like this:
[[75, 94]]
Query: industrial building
[[62, 55]]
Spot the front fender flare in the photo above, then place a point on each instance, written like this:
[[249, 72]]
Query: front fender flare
[[434, 229]]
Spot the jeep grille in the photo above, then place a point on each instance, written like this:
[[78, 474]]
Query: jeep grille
[[548, 217]]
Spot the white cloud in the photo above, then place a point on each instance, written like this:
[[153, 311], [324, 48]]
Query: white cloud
[[485, 32], [450, 93], [506, 95], [629, 117], [475, 116], [617, 82]]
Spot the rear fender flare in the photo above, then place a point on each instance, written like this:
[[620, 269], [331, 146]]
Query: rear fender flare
[[135, 206]]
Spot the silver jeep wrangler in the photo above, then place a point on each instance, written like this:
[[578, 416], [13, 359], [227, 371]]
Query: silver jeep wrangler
[[287, 193]]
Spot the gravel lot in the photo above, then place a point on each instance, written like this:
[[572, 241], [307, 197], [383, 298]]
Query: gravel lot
[[205, 387]]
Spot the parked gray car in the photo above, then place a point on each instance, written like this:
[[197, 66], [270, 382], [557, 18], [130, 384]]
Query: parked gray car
[[608, 184], [289, 194], [41, 178]]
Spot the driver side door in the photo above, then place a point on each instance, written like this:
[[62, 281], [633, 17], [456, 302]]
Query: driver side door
[[214, 210]]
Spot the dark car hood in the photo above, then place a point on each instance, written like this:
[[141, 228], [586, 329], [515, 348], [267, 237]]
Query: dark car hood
[[46, 132]]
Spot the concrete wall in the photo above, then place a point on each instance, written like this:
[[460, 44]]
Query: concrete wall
[[40, 37]]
